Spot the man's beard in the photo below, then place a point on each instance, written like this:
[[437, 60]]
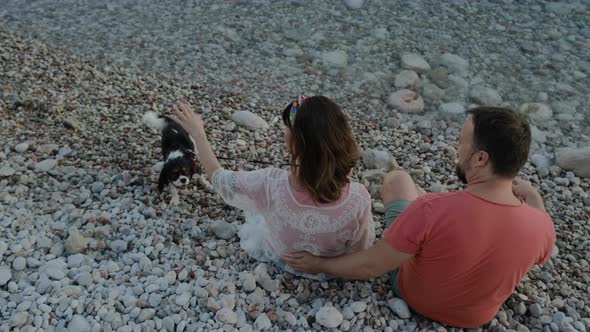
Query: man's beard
[[461, 173]]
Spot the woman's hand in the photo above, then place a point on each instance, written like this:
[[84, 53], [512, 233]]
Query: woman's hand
[[187, 119], [522, 188], [304, 262]]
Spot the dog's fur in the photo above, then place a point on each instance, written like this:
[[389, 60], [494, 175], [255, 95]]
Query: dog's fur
[[178, 152]]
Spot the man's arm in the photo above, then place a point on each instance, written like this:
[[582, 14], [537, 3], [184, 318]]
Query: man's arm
[[365, 264]]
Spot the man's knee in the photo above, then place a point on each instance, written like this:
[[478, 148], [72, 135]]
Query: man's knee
[[398, 186]]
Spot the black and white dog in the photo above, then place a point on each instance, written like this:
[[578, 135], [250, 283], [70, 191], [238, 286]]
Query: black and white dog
[[178, 152]]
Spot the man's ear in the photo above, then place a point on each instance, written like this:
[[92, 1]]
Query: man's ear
[[482, 158], [163, 180]]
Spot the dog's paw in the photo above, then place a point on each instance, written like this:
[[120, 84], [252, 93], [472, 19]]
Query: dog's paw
[[174, 201]]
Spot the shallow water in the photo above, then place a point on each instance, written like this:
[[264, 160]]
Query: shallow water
[[275, 50]]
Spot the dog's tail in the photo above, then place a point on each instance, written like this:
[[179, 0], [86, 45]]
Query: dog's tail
[[154, 120]]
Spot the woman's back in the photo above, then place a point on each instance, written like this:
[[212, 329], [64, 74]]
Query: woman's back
[[292, 220]]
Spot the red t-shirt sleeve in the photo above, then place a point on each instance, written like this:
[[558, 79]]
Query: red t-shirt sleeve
[[549, 242], [410, 229]]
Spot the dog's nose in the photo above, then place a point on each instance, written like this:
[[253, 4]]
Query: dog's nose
[[183, 180]]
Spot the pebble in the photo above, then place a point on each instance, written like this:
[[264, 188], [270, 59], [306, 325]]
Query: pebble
[[6, 171], [415, 62], [223, 230], [354, 4], [337, 59], [21, 147], [248, 282], [406, 79], [249, 120], [78, 324], [576, 160], [537, 111], [358, 306], [399, 307], [375, 159], [329, 317], [262, 323], [119, 246], [5, 275], [535, 310], [406, 101], [18, 264], [485, 96], [75, 243], [183, 299], [19, 319], [46, 165], [452, 108], [455, 64], [226, 316]]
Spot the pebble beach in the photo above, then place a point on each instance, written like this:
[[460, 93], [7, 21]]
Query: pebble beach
[[88, 244]]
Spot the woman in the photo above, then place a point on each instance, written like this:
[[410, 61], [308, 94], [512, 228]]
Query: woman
[[313, 206]]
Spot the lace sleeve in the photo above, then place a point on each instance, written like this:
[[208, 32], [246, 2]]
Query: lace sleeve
[[366, 230], [241, 189]]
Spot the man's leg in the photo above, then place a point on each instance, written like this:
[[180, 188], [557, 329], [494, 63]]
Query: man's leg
[[399, 190]]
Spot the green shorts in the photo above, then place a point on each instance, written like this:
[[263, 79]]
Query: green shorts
[[392, 211]]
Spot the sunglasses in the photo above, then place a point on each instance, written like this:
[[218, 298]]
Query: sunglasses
[[294, 106]]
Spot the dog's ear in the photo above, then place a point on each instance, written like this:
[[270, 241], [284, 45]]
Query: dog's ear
[[163, 180]]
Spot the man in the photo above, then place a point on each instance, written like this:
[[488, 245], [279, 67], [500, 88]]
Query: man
[[458, 256]]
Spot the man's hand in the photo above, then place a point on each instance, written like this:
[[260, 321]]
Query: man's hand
[[362, 265], [304, 262], [187, 119], [525, 191]]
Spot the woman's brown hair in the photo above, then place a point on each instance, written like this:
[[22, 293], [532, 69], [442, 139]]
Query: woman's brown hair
[[323, 148]]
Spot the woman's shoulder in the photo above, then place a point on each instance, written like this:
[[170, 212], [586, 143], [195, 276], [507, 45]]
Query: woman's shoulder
[[359, 191]]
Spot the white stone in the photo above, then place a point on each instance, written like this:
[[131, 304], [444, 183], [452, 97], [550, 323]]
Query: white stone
[[358, 306], [22, 147], [336, 58], [262, 323], [406, 101], [354, 4], [399, 307], [329, 317], [576, 160], [223, 230], [75, 243], [537, 111], [249, 120], [226, 316], [455, 64], [5, 275], [19, 319], [540, 160], [6, 171], [19, 263], [46, 165], [78, 324], [406, 79], [183, 299], [56, 269], [538, 135], [452, 108], [375, 159], [485, 96], [248, 282], [415, 62]]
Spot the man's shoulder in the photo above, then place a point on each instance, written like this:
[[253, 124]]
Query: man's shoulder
[[440, 198]]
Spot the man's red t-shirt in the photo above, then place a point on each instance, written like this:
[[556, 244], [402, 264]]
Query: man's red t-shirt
[[469, 254]]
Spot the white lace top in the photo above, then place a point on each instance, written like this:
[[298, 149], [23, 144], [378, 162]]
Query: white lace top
[[287, 221]]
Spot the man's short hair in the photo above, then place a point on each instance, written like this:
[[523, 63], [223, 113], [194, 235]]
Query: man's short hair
[[505, 135]]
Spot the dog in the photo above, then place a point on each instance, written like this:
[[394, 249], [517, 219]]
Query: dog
[[178, 152]]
